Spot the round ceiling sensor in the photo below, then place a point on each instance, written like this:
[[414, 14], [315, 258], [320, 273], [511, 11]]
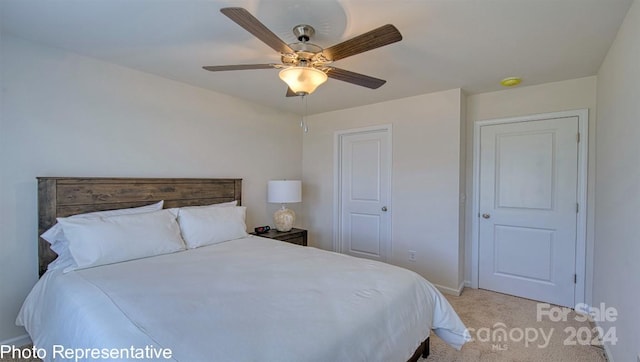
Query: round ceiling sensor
[[511, 81]]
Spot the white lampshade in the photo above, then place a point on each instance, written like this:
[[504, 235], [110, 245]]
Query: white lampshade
[[303, 80], [284, 191]]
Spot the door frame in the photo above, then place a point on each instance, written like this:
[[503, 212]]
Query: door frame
[[337, 177], [581, 226]]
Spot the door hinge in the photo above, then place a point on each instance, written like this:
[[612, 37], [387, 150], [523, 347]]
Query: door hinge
[[575, 278], [578, 137], [577, 207]]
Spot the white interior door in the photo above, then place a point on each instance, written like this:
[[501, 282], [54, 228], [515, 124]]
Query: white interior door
[[364, 184], [528, 209]]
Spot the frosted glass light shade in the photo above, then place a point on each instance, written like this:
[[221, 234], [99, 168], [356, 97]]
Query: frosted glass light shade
[[284, 191], [303, 80]]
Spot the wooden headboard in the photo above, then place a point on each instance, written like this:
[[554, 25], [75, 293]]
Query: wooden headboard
[[66, 196]]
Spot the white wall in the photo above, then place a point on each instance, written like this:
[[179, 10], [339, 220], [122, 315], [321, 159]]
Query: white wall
[[617, 228], [67, 115], [550, 97], [425, 184]]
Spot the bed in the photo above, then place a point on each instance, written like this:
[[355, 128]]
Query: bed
[[243, 299]]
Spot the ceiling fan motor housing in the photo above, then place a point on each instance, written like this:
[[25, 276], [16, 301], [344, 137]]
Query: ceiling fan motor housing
[[303, 32]]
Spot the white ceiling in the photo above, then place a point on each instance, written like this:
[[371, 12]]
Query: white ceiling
[[468, 44]]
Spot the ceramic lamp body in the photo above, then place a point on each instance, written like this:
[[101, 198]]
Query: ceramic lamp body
[[284, 219]]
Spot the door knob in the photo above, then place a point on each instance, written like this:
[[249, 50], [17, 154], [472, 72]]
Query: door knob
[[486, 216], [384, 208]]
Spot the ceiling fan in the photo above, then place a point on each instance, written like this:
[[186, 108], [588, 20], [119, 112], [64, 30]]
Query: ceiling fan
[[305, 65]]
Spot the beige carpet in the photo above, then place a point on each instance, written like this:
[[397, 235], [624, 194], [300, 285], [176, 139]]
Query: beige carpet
[[482, 311]]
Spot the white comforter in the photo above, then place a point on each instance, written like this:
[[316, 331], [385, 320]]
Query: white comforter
[[252, 299]]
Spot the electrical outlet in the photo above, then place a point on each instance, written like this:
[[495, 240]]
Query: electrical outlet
[[412, 255]]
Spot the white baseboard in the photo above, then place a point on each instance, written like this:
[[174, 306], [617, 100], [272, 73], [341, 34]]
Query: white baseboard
[[467, 283], [17, 341], [450, 291]]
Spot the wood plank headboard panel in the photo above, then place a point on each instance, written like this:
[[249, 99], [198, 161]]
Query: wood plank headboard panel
[[66, 196]]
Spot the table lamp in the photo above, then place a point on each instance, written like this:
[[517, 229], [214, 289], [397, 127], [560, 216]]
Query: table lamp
[[284, 192]]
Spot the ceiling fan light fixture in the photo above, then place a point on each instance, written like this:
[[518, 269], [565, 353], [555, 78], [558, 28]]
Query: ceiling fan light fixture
[[303, 80], [305, 66]]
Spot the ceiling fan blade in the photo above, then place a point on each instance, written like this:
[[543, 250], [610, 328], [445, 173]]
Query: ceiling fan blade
[[221, 68], [355, 78], [243, 18], [373, 39], [291, 93]]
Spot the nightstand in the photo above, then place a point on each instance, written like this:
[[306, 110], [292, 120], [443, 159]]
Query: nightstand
[[294, 236]]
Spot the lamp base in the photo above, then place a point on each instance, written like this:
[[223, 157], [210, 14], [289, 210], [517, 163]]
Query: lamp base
[[284, 219]]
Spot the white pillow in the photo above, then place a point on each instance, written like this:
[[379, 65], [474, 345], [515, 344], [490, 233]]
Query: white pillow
[[64, 259], [55, 235], [222, 204], [175, 210], [202, 226], [60, 245], [107, 240]]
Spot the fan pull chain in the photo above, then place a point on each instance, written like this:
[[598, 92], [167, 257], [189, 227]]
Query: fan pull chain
[[303, 124]]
